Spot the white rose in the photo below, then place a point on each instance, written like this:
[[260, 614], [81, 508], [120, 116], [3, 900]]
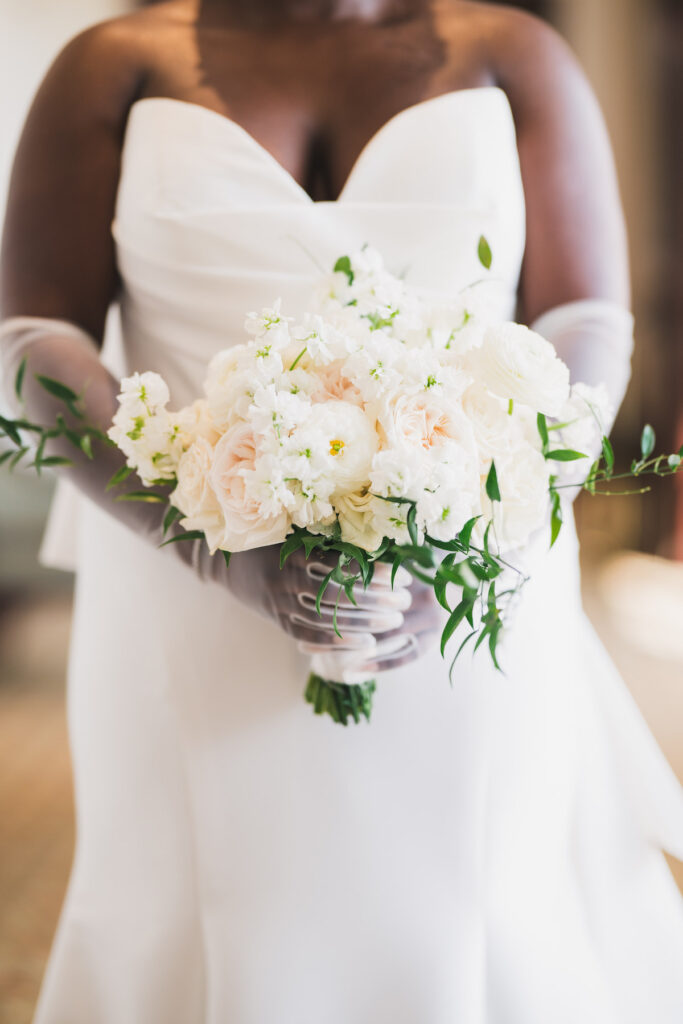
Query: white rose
[[194, 495], [515, 363], [359, 520], [195, 421], [246, 527]]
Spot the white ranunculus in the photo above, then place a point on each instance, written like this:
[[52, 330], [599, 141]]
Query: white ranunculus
[[343, 439], [523, 475], [584, 417], [515, 363], [194, 495]]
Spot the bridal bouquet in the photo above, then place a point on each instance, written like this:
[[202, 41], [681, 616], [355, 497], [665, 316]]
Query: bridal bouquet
[[382, 424]]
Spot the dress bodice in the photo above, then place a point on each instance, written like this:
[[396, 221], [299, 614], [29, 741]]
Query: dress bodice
[[208, 225]]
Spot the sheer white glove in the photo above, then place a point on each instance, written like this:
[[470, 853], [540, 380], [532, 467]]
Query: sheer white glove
[[594, 337]]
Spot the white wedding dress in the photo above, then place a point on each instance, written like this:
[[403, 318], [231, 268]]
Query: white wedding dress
[[482, 854]]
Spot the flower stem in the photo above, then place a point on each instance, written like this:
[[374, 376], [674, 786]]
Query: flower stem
[[340, 701]]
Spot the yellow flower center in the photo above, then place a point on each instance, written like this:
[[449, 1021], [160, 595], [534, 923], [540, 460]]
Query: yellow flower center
[[336, 446]]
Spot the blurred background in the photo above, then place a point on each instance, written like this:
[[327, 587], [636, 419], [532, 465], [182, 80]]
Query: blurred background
[[632, 549]]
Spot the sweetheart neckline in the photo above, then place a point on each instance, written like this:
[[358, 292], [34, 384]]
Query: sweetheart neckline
[[230, 124]]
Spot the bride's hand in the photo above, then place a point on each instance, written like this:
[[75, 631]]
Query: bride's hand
[[386, 644], [288, 596]]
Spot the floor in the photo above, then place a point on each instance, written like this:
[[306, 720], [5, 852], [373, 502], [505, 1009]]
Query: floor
[[635, 601]]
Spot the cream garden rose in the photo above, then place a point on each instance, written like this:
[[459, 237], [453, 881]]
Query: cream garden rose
[[245, 526], [194, 495]]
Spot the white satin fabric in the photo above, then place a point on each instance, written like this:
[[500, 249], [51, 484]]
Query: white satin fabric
[[482, 854]]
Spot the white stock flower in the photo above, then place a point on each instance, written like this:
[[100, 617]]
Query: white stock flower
[[515, 363], [269, 326], [145, 431], [143, 393]]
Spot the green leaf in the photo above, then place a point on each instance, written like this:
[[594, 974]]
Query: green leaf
[[17, 457], [19, 379], [493, 642], [395, 567], [455, 618], [565, 455], [608, 453], [227, 555], [172, 514], [10, 429], [86, 445], [291, 544], [459, 651], [53, 460], [119, 476], [57, 389], [420, 553], [343, 266], [465, 535], [647, 441], [556, 518], [4, 456], [542, 425], [321, 590], [189, 535], [147, 496], [484, 253], [492, 488], [394, 501], [411, 523]]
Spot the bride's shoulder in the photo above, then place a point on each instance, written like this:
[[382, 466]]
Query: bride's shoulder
[[127, 44], [103, 67], [523, 54], [516, 49]]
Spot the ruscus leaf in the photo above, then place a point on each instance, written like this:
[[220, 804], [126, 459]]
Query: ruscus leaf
[[565, 455], [492, 488], [57, 389], [484, 253], [119, 476], [647, 441], [19, 379]]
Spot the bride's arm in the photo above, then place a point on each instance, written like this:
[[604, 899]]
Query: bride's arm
[[58, 277], [574, 287]]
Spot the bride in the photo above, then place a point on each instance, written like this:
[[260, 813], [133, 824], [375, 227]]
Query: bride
[[488, 853]]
